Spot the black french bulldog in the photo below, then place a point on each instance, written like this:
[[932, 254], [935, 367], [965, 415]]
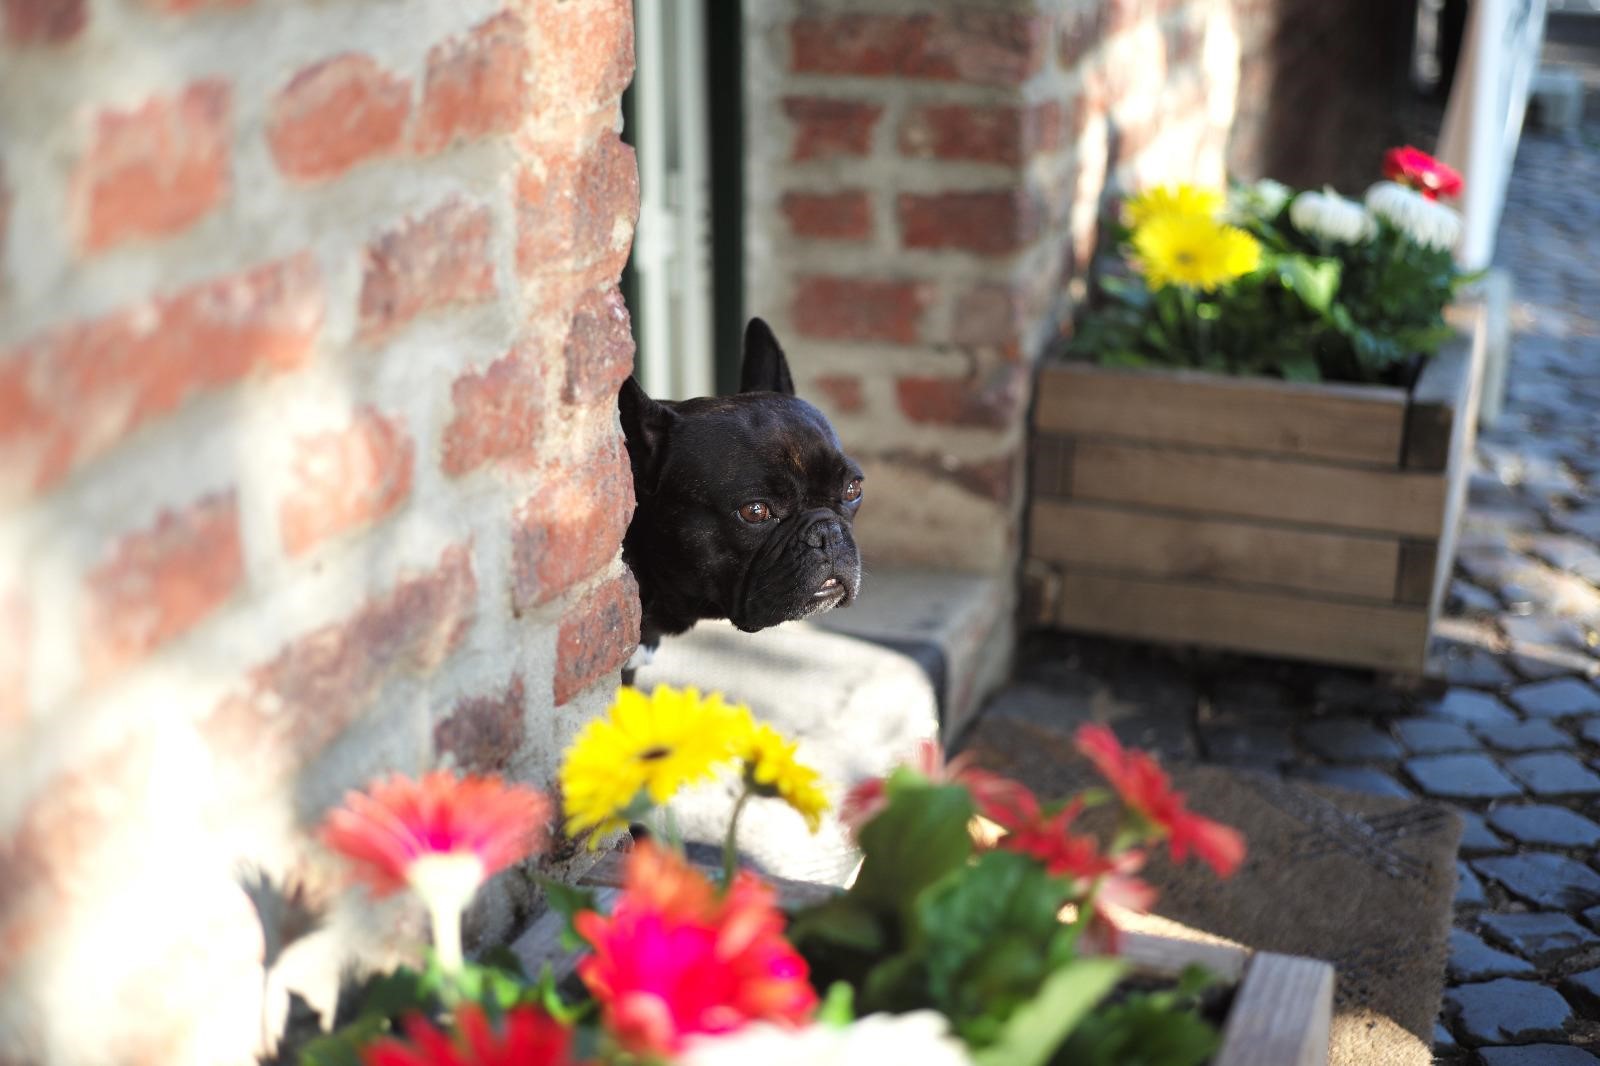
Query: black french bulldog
[[744, 504]]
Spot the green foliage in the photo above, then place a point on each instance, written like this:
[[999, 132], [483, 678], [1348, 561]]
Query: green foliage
[[1145, 1029], [980, 940], [1313, 310]]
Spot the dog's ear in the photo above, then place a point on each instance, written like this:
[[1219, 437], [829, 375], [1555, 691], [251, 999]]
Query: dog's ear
[[765, 369], [645, 424]]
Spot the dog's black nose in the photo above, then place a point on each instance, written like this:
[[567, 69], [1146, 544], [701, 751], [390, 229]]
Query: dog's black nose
[[824, 534]]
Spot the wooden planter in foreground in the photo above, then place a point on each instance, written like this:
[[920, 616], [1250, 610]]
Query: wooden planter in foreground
[[1311, 522]]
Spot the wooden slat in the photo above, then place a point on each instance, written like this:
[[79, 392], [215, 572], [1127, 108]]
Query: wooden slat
[[1282, 1015], [1052, 466], [1435, 405], [1350, 423], [1236, 551], [1371, 635], [1220, 483], [1419, 559], [1464, 435]]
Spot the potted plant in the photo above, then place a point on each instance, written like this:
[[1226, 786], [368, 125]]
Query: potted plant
[[1258, 438], [975, 932]]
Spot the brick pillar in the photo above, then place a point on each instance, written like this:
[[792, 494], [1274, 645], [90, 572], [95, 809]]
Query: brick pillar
[[925, 186], [309, 466]]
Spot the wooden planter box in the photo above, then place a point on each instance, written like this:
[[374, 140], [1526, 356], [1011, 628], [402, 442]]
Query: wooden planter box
[[1282, 1011], [1311, 522]]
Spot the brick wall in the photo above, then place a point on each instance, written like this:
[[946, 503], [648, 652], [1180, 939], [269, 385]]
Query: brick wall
[[926, 185], [309, 465]]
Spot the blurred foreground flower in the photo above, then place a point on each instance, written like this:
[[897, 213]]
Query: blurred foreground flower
[[442, 837], [922, 1037], [654, 745], [1160, 201], [1193, 252], [1417, 169], [528, 1037], [991, 793], [1429, 223], [772, 770], [1330, 216], [673, 958], [1145, 788]]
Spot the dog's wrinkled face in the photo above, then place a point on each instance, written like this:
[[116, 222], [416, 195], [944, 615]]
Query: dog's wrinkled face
[[744, 503]]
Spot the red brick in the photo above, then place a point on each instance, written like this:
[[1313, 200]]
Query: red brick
[[477, 85], [70, 395], [439, 260], [825, 127], [980, 47], [993, 402], [859, 309], [599, 347], [16, 640], [67, 836], [572, 527], [484, 733], [154, 170], [585, 54], [990, 222], [842, 390], [967, 131], [336, 114], [843, 216], [345, 480], [992, 479], [571, 211], [497, 415], [162, 581], [597, 635], [289, 709], [990, 315], [44, 21]]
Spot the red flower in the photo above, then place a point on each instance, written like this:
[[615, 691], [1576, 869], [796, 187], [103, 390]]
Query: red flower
[[1146, 789], [1416, 168], [1070, 855], [673, 960], [993, 794], [398, 822], [529, 1037]]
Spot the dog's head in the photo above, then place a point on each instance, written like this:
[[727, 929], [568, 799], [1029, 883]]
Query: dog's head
[[744, 502]]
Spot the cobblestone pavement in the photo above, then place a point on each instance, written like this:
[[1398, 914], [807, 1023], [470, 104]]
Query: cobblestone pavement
[[1511, 737]]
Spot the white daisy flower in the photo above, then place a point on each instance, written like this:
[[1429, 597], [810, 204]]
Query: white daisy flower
[[1428, 222], [920, 1038], [1327, 214]]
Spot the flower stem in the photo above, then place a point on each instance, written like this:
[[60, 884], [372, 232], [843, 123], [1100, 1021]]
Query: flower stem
[[446, 937], [730, 845]]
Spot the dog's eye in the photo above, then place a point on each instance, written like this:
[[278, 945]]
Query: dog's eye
[[755, 512], [852, 491]]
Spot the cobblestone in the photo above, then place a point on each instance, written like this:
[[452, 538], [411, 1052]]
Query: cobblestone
[[1349, 740], [1583, 991], [1461, 777], [1365, 779], [1469, 890], [1508, 1011], [1543, 879], [1428, 736], [1525, 736], [1473, 960], [1538, 1055], [1469, 707], [1476, 836], [1542, 939], [1557, 699], [1537, 823], [1554, 774]]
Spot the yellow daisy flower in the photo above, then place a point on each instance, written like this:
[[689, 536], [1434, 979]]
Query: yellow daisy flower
[[653, 744], [1160, 201], [772, 770], [1194, 252]]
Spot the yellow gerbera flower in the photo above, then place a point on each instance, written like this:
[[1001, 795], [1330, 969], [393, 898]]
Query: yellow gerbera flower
[[1193, 251], [772, 770], [1160, 201], [653, 744]]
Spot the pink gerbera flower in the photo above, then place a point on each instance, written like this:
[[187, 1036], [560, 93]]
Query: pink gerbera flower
[[673, 959], [1145, 788], [994, 795], [528, 1037], [442, 837]]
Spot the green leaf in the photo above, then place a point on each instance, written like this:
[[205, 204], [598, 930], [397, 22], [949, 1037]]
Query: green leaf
[[841, 922], [920, 836], [838, 1005], [1300, 367], [1315, 281], [1145, 1029], [343, 1047], [1034, 1031], [398, 993], [569, 901]]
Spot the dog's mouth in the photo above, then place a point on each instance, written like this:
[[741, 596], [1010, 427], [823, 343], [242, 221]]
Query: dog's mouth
[[831, 589]]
